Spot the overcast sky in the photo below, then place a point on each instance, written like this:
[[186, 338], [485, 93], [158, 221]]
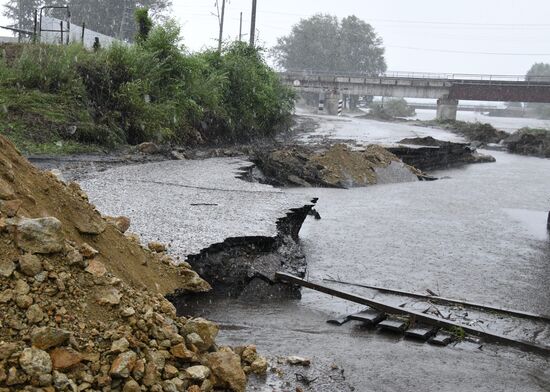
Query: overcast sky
[[461, 36]]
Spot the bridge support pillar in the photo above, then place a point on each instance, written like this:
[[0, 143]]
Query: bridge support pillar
[[331, 102], [446, 109]]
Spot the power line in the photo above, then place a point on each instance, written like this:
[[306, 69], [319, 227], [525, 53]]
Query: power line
[[468, 52]]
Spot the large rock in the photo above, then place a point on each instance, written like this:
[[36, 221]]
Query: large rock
[[198, 373], [207, 330], [227, 370], [122, 223], [42, 235], [34, 314], [65, 358], [91, 225], [96, 268], [6, 267], [123, 365], [46, 338], [30, 264], [35, 362], [109, 296], [6, 350]]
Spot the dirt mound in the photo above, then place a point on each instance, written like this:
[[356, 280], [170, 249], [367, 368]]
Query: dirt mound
[[338, 166], [83, 304]]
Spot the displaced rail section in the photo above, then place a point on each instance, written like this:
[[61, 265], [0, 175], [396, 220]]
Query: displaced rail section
[[415, 318]]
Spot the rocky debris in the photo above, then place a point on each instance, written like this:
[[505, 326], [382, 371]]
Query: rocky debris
[[80, 308], [427, 153], [42, 235], [337, 166]]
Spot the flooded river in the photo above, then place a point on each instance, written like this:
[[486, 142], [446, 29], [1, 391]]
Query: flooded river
[[477, 234]]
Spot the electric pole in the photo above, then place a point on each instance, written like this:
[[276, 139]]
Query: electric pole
[[241, 28], [221, 27], [253, 24]]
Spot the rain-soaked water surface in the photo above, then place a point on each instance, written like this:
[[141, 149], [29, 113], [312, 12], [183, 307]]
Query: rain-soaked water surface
[[480, 234], [477, 234]]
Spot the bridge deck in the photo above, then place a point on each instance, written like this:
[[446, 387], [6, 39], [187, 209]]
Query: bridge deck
[[482, 88]]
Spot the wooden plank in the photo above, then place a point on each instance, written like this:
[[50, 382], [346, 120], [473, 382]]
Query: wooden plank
[[448, 301], [419, 317], [421, 331], [394, 325], [369, 316]]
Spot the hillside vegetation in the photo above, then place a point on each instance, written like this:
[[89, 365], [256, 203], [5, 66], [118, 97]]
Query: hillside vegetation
[[65, 98]]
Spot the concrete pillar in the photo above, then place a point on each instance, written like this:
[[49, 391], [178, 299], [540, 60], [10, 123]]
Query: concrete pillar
[[331, 102], [446, 109]]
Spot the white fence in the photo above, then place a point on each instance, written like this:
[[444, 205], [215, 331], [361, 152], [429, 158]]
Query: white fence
[[75, 34]]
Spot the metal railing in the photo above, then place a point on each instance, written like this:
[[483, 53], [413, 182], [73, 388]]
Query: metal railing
[[424, 75]]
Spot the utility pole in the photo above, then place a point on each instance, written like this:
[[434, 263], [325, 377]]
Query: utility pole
[[221, 27], [253, 24], [241, 28]]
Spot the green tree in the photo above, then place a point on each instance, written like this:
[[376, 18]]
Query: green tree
[[539, 72], [144, 24], [21, 12], [324, 43]]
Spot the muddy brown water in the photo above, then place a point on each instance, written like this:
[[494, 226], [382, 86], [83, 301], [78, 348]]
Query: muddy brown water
[[480, 234]]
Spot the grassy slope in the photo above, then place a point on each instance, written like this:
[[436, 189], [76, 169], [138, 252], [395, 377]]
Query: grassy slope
[[36, 122]]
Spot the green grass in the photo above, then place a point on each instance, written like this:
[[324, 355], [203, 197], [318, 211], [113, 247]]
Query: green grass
[[39, 123]]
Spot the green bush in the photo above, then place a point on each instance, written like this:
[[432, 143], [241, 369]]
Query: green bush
[[156, 91], [392, 108]]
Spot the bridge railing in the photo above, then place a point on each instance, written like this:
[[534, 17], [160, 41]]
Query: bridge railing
[[424, 75]]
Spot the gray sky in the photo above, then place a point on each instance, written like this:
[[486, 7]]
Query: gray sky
[[422, 36]]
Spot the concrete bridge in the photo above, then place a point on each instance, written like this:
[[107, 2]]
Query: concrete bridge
[[448, 89]]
